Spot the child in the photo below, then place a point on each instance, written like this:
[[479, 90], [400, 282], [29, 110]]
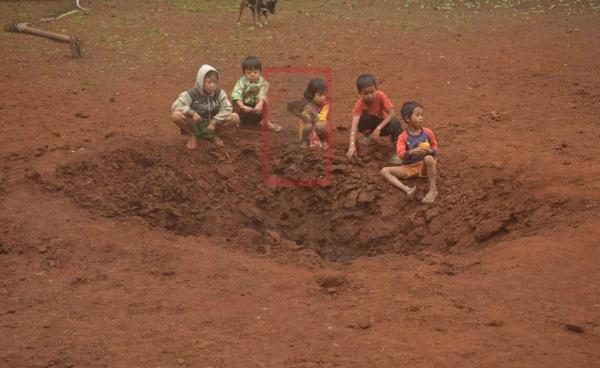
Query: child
[[314, 116], [374, 113], [417, 147], [250, 93], [200, 110]]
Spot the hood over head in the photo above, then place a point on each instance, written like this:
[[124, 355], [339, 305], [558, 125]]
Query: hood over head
[[201, 74]]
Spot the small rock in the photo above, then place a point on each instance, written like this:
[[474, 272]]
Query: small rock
[[263, 248], [495, 323], [430, 214], [226, 171], [366, 197], [330, 281], [496, 116], [332, 290], [42, 249], [83, 115], [273, 237], [32, 175], [573, 328], [365, 324], [488, 228]]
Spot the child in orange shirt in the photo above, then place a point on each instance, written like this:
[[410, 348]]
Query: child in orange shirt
[[373, 113]]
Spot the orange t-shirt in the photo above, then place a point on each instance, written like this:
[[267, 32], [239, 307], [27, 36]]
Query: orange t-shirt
[[381, 104]]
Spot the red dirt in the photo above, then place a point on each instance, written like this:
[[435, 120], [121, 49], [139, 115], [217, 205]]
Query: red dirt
[[120, 248]]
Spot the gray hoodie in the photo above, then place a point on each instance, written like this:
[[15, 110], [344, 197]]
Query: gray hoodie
[[215, 107]]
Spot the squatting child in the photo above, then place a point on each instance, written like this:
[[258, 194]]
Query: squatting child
[[314, 115], [418, 148], [373, 114], [200, 110], [250, 93]]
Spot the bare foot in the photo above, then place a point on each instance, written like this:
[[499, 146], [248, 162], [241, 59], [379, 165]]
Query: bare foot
[[218, 142], [429, 197], [411, 193], [192, 142]]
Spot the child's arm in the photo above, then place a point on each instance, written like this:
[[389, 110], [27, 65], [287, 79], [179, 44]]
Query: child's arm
[[237, 95], [353, 129], [183, 104], [432, 141], [262, 95], [225, 109], [308, 115], [401, 146], [388, 116]]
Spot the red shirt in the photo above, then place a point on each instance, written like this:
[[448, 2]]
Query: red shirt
[[380, 106]]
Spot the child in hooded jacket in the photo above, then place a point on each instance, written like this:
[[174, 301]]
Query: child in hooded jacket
[[200, 110]]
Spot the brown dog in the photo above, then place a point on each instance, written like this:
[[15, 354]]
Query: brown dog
[[258, 7]]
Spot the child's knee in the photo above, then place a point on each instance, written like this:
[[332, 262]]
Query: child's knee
[[233, 117], [321, 128], [385, 171], [178, 116], [429, 160]]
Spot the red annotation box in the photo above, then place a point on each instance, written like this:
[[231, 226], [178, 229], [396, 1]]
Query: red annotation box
[[268, 177]]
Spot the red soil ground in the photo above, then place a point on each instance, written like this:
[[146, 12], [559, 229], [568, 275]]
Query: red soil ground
[[120, 248]]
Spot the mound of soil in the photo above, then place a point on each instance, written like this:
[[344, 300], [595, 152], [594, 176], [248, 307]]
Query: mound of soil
[[220, 193]]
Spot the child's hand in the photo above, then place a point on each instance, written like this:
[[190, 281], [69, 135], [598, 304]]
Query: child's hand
[[419, 151], [196, 117], [259, 106], [210, 127], [308, 109], [245, 108], [351, 152], [375, 134]]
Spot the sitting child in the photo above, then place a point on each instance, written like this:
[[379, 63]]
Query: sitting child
[[373, 114], [314, 116], [417, 147], [200, 110], [250, 93]]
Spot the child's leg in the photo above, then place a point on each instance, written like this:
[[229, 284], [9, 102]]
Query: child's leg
[[431, 174], [367, 123], [393, 129], [321, 129], [183, 122], [306, 131], [393, 174], [232, 119]]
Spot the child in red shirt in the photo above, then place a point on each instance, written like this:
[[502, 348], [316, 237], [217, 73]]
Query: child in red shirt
[[373, 113], [417, 147]]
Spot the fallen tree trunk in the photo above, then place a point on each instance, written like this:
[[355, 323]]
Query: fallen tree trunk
[[74, 43]]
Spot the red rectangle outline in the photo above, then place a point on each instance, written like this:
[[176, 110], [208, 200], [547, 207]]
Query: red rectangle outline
[[275, 180]]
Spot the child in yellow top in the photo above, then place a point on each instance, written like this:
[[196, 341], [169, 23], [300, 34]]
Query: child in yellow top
[[314, 115]]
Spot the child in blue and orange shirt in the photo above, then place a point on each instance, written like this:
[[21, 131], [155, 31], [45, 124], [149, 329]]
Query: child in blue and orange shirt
[[418, 149]]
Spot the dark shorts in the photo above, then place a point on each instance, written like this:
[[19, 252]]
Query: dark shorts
[[248, 117], [368, 123]]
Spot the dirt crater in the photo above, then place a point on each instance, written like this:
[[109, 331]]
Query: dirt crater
[[220, 193]]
